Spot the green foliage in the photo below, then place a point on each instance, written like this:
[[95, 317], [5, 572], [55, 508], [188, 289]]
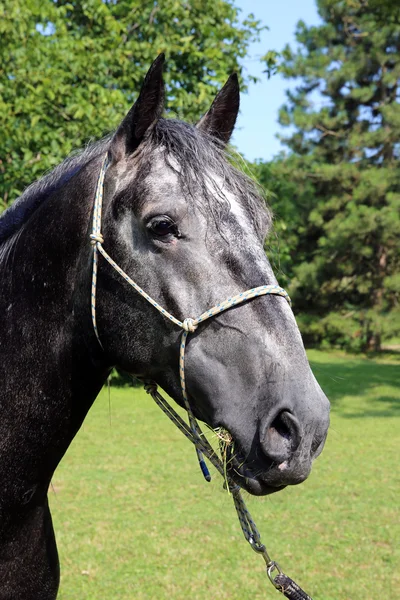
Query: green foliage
[[70, 70], [340, 214], [271, 60]]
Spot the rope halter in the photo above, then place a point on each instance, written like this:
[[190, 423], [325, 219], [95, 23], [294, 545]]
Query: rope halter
[[192, 431]]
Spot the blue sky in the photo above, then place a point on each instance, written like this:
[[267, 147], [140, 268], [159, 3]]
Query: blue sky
[[257, 125]]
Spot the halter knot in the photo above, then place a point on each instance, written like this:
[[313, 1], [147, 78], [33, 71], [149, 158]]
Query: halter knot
[[150, 387], [96, 238], [189, 325]]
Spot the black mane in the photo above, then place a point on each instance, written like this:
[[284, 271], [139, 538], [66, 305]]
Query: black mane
[[198, 156]]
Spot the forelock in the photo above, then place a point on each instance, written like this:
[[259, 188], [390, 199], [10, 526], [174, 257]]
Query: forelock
[[206, 172]]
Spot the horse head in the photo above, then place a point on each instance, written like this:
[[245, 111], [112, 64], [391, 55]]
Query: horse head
[[189, 229]]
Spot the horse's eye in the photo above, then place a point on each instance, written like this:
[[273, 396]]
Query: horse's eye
[[162, 227]]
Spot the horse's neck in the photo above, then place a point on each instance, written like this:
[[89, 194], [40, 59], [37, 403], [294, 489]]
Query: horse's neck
[[48, 373]]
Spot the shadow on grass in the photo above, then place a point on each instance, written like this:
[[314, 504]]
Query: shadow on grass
[[366, 380]]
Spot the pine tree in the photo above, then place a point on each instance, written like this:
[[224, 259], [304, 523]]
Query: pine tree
[[345, 173]]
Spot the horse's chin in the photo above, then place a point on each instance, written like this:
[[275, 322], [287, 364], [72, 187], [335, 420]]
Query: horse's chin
[[258, 487], [251, 482]]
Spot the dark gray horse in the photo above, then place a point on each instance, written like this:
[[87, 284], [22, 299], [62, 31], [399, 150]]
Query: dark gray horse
[[189, 229]]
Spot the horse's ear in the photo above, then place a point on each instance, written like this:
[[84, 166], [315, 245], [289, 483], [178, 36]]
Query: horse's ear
[[220, 120], [143, 115]]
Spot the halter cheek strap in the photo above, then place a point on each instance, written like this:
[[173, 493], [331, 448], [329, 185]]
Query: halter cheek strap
[[192, 431]]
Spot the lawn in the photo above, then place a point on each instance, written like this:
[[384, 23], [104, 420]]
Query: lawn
[[134, 519]]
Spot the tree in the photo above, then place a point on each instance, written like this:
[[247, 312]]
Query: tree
[[70, 70], [344, 166]]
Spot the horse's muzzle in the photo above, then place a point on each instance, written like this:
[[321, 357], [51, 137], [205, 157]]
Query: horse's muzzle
[[286, 449]]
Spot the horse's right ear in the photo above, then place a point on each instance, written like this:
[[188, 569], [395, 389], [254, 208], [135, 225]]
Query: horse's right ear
[[220, 119], [143, 115]]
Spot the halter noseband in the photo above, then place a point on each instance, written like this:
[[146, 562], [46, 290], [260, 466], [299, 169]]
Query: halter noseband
[[193, 431]]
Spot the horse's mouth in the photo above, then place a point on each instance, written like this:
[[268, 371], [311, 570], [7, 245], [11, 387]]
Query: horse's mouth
[[246, 474]]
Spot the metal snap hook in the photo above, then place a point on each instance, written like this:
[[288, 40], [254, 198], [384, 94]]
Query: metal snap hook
[[273, 566], [257, 546]]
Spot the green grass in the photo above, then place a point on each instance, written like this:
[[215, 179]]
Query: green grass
[[134, 519]]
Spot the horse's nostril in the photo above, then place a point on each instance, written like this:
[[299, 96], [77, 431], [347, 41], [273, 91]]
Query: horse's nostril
[[279, 425], [281, 437]]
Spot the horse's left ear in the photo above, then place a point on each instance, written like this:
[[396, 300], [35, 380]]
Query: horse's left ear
[[143, 115], [220, 120]]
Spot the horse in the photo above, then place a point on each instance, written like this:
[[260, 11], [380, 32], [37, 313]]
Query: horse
[[189, 227]]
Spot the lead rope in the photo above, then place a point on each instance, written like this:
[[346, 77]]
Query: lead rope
[[193, 431]]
